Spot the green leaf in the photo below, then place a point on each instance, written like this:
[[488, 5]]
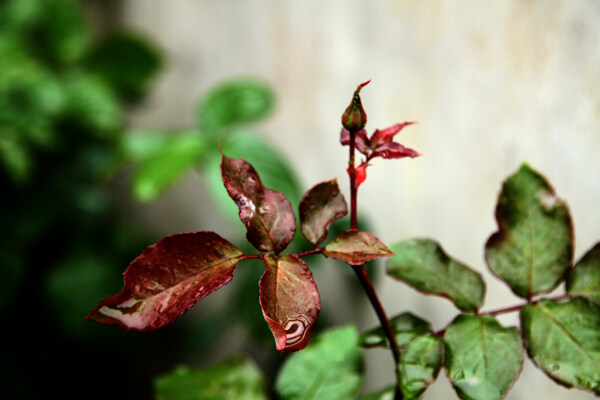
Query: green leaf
[[235, 102], [424, 265], [161, 167], [419, 365], [406, 326], [329, 368], [232, 379], [356, 247], [533, 247], [483, 359], [563, 339], [584, 279]]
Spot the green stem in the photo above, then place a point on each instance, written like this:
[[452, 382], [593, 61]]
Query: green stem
[[362, 276]]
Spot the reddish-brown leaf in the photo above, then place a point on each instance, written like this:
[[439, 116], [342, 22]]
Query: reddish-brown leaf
[[319, 207], [356, 247], [387, 135], [167, 279], [290, 300], [360, 140], [267, 214], [394, 150]]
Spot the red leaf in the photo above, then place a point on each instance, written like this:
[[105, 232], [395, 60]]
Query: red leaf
[[290, 300], [361, 173], [319, 207], [394, 150], [267, 214], [360, 140], [387, 135], [356, 247], [167, 279]]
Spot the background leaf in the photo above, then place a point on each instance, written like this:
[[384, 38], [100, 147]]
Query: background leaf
[[533, 247], [584, 279], [267, 214], [563, 339], [167, 279], [329, 368], [424, 265], [420, 363], [231, 379], [356, 247], [406, 326], [290, 301], [234, 102], [319, 207], [483, 359]]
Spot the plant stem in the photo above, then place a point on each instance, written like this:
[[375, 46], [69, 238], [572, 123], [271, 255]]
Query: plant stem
[[362, 276]]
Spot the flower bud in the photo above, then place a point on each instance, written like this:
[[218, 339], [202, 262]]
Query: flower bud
[[355, 118]]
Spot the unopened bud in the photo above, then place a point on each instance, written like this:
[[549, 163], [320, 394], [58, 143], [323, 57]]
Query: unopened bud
[[355, 117]]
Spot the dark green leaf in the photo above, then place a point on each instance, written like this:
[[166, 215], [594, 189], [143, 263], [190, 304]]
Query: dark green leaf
[[424, 265], [320, 206], [164, 165], [584, 279], [232, 379], [329, 368], [356, 247], [563, 339], [235, 102], [533, 247], [406, 326], [63, 33], [419, 365], [483, 359]]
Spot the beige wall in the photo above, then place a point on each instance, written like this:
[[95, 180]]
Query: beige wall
[[491, 83]]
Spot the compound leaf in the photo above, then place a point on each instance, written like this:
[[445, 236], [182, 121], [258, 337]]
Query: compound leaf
[[424, 265], [584, 279], [563, 339], [533, 247], [319, 207], [167, 279], [356, 247], [329, 368], [483, 359], [268, 216], [290, 301], [232, 379]]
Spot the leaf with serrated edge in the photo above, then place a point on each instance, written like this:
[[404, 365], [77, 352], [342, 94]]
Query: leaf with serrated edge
[[533, 247], [406, 327], [329, 368], [424, 265], [319, 207], [356, 247], [167, 279], [267, 214], [483, 359], [290, 300], [584, 279], [563, 339], [420, 362]]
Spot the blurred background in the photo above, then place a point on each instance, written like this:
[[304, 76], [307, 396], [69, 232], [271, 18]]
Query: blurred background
[[109, 116]]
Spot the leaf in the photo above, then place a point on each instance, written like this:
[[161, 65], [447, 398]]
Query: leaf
[[319, 207], [235, 102], [167, 279], [329, 368], [533, 247], [268, 216], [394, 150], [361, 141], [483, 359], [563, 339], [290, 301], [356, 247], [424, 265], [231, 379], [406, 326], [387, 135], [163, 166], [419, 365], [584, 279]]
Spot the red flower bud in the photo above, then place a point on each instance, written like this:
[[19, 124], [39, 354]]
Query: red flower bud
[[355, 118]]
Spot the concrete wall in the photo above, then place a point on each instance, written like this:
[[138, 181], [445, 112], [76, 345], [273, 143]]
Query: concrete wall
[[491, 83]]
